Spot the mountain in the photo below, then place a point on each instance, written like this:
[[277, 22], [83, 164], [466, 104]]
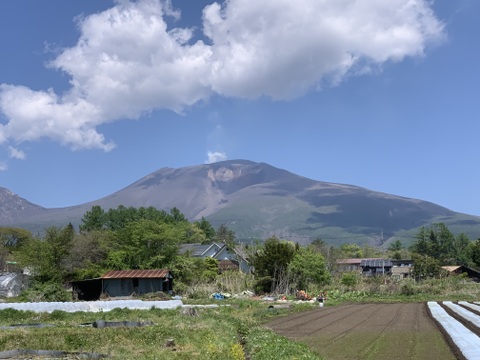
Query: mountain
[[257, 200], [13, 207]]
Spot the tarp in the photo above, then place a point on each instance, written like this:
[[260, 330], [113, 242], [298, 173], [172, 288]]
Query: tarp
[[11, 284], [92, 306]]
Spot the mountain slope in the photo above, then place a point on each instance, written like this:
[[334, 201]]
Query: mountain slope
[[257, 200], [13, 207]]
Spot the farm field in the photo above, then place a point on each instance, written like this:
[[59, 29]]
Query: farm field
[[371, 331]]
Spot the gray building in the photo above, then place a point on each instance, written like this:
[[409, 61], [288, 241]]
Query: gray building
[[118, 283], [228, 258]]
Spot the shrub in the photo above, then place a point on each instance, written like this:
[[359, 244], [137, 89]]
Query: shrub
[[349, 279], [408, 288], [45, 292]]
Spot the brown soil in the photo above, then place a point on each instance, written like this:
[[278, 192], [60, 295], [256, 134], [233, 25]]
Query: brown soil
[[367, 331]]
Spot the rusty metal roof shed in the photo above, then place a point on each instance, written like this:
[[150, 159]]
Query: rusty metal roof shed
[[141, 274]]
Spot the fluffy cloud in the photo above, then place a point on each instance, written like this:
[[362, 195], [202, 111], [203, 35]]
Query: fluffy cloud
[[282, 48], [36, 114], [15, 153], [216, 156], [127, 61]]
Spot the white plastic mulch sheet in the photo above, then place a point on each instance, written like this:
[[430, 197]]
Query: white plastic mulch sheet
[[467, 342], [464, 313], [470, 305], [92, 306]]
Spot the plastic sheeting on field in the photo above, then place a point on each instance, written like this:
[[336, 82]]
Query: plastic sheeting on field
[[92, 306], [467, 342], [464, 313], [469, 305]]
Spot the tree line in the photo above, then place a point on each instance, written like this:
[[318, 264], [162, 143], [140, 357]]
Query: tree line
[[147, 238]]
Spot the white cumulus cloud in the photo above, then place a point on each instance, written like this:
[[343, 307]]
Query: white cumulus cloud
[[128, 62]]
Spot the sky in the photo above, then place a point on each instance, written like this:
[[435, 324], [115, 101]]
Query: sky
[[96, 94]]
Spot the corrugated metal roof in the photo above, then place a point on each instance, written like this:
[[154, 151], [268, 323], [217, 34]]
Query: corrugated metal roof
[[376, 262], [126, 274], [349, 261]]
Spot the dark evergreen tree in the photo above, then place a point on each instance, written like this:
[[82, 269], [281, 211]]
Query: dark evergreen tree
[[207, 228], [225, 235], [271, 262], [93, 219]]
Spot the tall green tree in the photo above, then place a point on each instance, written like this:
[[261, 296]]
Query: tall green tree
[[395, 246], [48, 257], [475, 253], [11, 238], [147, 244], [89, 253], [307, 267], [207, 228], [271, 262], [119, 218], [439, 243], [426, 267], [225, 235], [421, 245], [176, 216], [461, 250], [94, 219], [351, 251], [396, 250]]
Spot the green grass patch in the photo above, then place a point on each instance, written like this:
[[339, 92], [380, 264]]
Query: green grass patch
[[227, 332]]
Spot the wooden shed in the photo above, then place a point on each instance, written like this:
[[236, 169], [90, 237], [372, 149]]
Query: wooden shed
[[460, 269], [117, 283]]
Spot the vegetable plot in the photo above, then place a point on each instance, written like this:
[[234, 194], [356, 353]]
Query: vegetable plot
[[373, 331]]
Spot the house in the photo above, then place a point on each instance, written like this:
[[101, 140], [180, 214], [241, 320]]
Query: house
[[118, 283], [398, 269], [363, 265], [460, 269], [375, 267], [401, 269], [200, 250], [233, 259], [346, 265], [228, 258]]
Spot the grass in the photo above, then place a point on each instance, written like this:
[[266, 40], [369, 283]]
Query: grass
[[384, 289], [234, 330], [227, 332]]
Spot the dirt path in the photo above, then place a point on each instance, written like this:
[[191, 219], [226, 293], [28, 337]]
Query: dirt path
[[368, 331]]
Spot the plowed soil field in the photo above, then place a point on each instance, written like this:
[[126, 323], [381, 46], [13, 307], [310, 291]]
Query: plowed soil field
[[368, 331]]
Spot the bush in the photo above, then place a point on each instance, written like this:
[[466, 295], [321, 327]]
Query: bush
[[263, 285], [408, 288], [349, 279], [45, 292]]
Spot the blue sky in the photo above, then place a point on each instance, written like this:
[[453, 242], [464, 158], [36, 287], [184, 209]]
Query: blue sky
[[96, 94]]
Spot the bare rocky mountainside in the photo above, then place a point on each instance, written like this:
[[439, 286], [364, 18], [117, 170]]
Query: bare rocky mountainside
[[13, 207], [257, 200]]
